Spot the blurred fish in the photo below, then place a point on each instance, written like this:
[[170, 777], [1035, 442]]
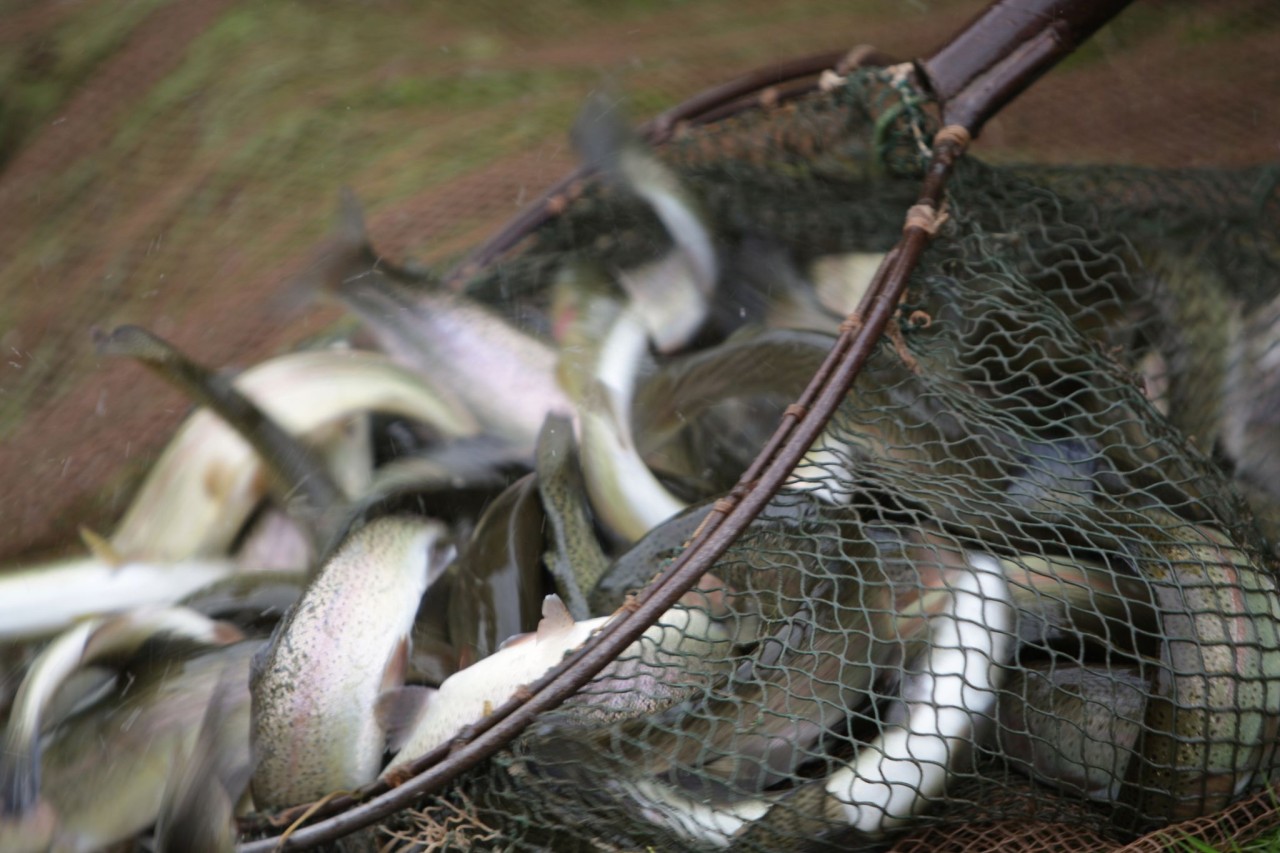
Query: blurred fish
[[840, 281], [272, 541], [250, 598], [574, 555], [603, 348], [949, 694], [764, 286], [500, 374], [91, 642], [43, 599], [1251, 402], [197, 811], [105, 769], [671, 294], [343, 644], [498, 580], [300, 478], [198, 495]]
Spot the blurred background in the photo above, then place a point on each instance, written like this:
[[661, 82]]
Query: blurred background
[[177, 164]]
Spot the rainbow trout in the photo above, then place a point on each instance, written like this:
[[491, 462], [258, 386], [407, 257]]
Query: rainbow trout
[[344, 644]]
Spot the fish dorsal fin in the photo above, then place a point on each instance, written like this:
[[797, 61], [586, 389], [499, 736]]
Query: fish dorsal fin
[[398, 711], [556, 619]]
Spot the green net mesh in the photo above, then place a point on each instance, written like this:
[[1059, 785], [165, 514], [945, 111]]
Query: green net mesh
[[1057, 396]]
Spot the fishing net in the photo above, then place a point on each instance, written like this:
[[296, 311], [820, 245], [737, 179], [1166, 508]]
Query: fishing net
[[1043, 516], [1054, 393]]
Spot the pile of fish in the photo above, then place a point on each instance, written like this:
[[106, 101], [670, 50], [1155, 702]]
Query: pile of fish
[[347, 556]]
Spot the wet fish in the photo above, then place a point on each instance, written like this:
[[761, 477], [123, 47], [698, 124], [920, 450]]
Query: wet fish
[[948, 695], [639, 564], [757, 371], [197, 811], [574, 555], [498, 579], [502, 375], [471, 694], [300, 478], [342, 645], [205, 485], [1073, 726], [43, 599], [604, 347], [104, 770], [1213, 714], [91, 642], [671, 294]]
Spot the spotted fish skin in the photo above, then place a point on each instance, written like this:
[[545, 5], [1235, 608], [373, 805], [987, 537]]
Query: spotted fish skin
[[344, 644]]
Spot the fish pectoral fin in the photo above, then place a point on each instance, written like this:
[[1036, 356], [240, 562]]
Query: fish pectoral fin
[[397, 665], [398, 711]]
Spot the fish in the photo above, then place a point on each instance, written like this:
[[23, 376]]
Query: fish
[[720, 405], [574, 556], [1072, 726], [474, 692], [197, 811], [763, 285], [250, 598], [948, 695], [43, 599], [840, 281], [299, 477], [198, 495], [603, 348], [1250, 400], [672, 293], [641, 563], [91, 642], [498, 579], [499, 374], [1212, 716], [105, 769], [316, 685]]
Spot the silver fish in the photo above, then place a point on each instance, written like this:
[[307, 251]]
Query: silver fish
[[41, 600], [88, 643], [603, 350], [208, 481], [341, 646], [299, 477], [502, 375], [473, 693], [672, 294], [105, 769], [948, 696]]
